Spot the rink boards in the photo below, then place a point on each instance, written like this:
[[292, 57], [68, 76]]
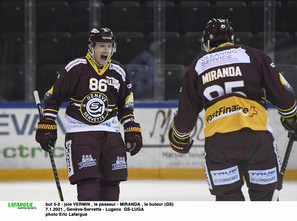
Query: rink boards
[[21, 158]]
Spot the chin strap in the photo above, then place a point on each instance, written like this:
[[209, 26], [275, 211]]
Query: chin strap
[[93, 58]]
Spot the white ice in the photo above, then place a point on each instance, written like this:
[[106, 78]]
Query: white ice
[[131, 190], [191, 199]]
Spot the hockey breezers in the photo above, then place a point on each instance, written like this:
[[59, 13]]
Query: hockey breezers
[[292, 138], [38, 105]]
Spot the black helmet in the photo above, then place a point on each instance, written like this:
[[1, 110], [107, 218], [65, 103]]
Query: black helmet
[[102, 35], [216, 30]]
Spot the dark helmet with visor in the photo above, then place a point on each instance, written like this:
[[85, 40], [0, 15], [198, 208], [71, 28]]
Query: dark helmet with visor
[[216, 30]]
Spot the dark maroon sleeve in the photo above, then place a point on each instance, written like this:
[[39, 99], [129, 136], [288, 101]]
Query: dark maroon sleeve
[[126, 100], [189, 103], [61, 91], [278, 91]]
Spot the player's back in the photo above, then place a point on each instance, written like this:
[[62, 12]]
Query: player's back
[[230, 82], [230, 70]]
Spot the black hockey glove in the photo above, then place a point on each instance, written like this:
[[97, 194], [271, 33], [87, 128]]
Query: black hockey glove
[[290, 124], [133, 138], [180, 145], [46, 133]]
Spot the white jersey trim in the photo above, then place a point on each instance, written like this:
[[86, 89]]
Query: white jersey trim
[[225, 57], [72, 125], [74, 63], [69, 161], [119, 70], [50, 115]]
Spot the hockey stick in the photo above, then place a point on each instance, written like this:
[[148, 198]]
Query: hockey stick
[[38, 105], [292, 138]]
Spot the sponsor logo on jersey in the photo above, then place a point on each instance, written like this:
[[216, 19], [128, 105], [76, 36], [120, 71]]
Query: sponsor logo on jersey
[[129, 86], [94, 107], [263, 177], [74, 63], [87, 161], [226, 176], [119, 70], [234, 113], [69, 158], [113, 82], [120, 164], [272, 65], [234, 109], [225, 57]]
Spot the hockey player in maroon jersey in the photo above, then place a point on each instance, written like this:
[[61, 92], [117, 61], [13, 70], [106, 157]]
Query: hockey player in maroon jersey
[[100, 96], [233, 83]]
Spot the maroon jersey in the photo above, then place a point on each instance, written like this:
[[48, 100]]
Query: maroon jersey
[[97, 98], [232, 84]]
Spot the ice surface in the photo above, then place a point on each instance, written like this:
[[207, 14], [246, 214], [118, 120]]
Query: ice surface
[[191, 198], [131, 190]]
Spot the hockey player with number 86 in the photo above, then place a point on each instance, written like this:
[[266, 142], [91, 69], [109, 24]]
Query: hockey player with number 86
[[100, 97]]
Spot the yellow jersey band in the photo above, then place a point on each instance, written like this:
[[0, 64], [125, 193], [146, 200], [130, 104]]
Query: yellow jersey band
[[233, 114]]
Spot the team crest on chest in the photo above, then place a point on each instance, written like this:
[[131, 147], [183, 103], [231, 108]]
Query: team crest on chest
[[94, 107]]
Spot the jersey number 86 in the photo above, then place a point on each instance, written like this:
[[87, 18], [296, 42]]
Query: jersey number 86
[[100, 85]]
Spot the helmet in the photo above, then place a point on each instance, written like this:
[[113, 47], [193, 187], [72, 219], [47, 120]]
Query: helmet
[[102, 35], [216, 30]]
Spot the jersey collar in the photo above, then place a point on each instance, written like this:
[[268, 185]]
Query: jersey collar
[[222, 45], [98, 71]]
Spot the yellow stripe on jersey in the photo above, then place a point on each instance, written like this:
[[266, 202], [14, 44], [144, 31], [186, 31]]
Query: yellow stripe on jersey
[[129, 99], [222, 45], [53, 110], [285, 82], [99, 71], [234, 113], [282, 79], [51, 91], [79, 101]]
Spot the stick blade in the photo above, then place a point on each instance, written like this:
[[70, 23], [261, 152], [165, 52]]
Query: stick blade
[[275, 196]]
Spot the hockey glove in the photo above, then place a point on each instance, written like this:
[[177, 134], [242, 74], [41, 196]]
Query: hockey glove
[[290, 124], [46, 133], [133, 138], [179, 144]]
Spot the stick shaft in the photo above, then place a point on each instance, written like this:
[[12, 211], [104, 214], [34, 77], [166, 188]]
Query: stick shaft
[[292, 138], [38, 105], [56, 175], [288, 152]]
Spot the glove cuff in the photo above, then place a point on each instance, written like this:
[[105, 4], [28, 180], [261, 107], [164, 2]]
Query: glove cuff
[[180, 138], [179, 144], [47, 126], [132, 127]]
